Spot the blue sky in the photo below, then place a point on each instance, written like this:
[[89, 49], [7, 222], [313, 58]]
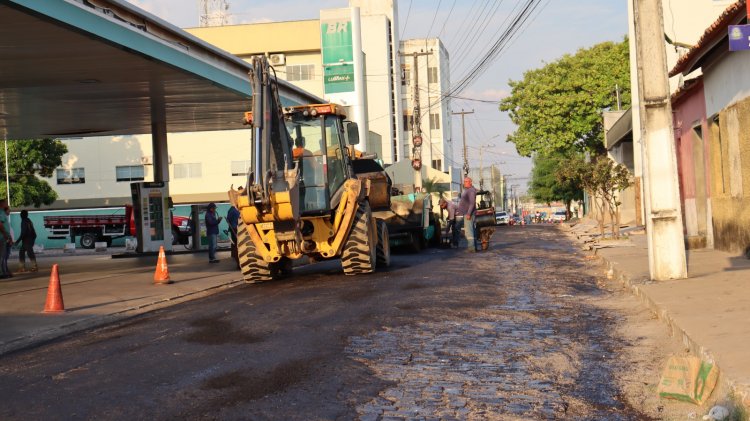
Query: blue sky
[[557, 27]]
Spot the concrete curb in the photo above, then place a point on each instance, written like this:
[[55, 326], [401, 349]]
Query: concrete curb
[[40, 337], [615, 272]]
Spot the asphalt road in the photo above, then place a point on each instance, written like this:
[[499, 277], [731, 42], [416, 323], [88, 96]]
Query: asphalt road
[[505, 334]]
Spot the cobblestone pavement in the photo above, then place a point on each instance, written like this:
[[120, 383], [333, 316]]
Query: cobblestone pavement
[[545, 353], [515, 333]]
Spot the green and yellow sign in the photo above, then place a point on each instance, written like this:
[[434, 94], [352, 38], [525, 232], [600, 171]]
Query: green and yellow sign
[[338, 56]]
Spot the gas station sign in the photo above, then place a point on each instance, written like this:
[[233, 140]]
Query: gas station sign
[[338, 55]]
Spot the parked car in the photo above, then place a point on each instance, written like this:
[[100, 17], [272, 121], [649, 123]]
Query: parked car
[[559, 216], [502, 218]]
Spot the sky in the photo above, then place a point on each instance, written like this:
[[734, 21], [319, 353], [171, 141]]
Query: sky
[[467, 28]]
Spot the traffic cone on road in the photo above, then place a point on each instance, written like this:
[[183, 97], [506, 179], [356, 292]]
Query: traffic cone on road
[[54, 302], [161, 276]]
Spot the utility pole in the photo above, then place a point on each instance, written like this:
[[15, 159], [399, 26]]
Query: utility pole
[[416, 124], [666, 247], [463, 128], [492, 180]]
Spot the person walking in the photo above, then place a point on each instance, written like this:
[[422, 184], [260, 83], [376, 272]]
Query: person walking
[[212, 231], [6, 241], [26, 239], [467, 207], [451, 227], [233, 219]]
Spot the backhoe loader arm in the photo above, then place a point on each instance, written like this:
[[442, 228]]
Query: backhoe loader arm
[[272, 154]]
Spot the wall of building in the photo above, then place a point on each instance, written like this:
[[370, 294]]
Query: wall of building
[[213, 152], [730, 174], [692, 146]]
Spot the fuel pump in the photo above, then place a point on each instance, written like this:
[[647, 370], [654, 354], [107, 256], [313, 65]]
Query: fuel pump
[[152, 217]]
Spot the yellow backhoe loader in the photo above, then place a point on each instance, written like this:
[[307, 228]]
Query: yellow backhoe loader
[[302, 197]]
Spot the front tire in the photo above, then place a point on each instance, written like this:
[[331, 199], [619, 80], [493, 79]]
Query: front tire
[[383, 252], [359, 254], [253, 267]]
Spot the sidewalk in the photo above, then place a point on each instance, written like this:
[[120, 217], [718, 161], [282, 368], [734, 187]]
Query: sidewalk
[[710, 310], [98, 289]]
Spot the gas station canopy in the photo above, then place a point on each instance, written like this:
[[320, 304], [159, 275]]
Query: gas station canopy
[[105, 67]]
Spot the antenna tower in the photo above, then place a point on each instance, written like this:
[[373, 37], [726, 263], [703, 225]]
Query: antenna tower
[[213, 12]]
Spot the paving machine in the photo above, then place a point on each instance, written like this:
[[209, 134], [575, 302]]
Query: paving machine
[[302, 197], [484, 219]]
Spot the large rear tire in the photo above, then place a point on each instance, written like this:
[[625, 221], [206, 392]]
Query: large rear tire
[[359, 254], [253, 267], [383, 252]]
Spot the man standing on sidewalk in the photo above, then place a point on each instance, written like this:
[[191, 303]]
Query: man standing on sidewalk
[[6, 241], [26, 240], [212, 231], [467, 206]]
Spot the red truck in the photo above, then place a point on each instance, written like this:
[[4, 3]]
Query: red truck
[[105, 228]]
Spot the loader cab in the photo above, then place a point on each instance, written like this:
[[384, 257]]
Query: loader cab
[[320, 154]]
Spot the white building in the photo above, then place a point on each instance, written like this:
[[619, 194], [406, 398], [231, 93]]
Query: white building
[[431, 80]]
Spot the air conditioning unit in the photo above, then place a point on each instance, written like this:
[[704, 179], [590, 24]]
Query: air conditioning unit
[[277, 59]]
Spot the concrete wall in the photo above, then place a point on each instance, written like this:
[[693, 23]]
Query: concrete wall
[[692, 142], [730, 174]]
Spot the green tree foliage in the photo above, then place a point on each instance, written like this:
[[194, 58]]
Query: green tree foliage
[[603, 179], [27, 161], [558, 107], [548, 184]]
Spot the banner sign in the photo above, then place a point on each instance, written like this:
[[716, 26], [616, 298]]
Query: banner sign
[[338, 55], [739, 37]]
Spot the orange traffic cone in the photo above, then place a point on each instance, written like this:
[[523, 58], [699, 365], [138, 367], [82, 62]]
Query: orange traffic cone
[[161, 276], [54, 302]]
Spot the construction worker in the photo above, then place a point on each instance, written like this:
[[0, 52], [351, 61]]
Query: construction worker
[[467, 207], [26, 239], [6, 241], [451, 228], [212, 231], [299, 149], [233, 219]]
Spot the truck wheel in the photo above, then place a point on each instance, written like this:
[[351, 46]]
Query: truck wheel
[[383, 252], [359, 249], [253, 267], [416, 241], [88, 240]]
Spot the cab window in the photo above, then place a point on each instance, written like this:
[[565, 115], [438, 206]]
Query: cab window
[[334, 155]]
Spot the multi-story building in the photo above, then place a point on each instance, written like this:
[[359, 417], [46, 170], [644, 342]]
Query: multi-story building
[[427, 85]]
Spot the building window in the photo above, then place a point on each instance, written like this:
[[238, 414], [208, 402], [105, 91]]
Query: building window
[[405, 76], [437, 164], [71, 176], [240, 167], [432, 75], [300, 72], [192, 170], [407, 121], [129, 173], [434, 122]]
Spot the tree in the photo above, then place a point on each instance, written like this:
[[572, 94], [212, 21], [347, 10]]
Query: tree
[[548, 184], [558, 107], [27, 161], [603, 179]]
